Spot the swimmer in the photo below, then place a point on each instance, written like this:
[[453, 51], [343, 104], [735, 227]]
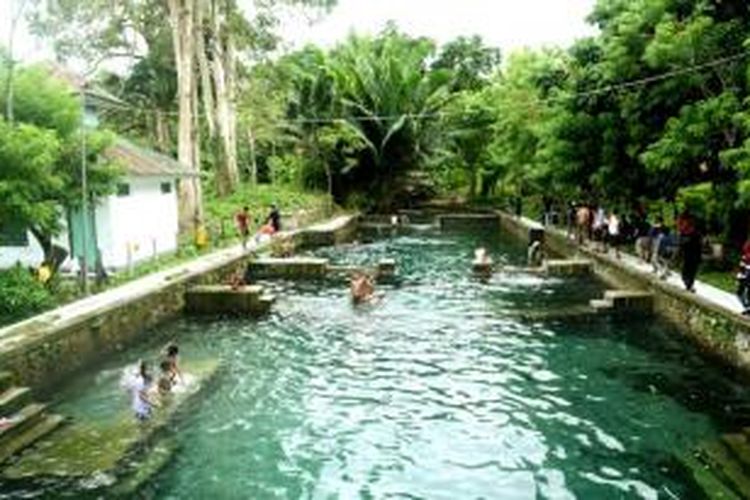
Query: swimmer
[[534, 254], [482, 264], [143, 405], [172, 356], [361, 287], [166, 381]]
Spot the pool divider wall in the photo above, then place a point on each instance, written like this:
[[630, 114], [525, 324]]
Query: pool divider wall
[[719, 332], [45, 350]]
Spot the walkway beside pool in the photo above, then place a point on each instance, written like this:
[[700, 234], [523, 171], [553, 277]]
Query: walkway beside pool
[[709, 293]]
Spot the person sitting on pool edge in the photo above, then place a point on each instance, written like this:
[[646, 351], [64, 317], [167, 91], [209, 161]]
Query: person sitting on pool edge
[[361, 287]]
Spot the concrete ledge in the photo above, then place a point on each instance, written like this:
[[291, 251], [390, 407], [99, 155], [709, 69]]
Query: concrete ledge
[[293, 268], [567, 267], [223, 299], [468, 220]]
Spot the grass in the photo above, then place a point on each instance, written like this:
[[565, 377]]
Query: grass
[[723, 280]]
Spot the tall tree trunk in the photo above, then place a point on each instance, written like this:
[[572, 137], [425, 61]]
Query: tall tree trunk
[[182, 17], [207, 90], [228, 174], [253, 157], [162, 131]]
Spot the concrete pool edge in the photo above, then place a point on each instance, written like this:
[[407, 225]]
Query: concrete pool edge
[[717, 330], [44, 350]]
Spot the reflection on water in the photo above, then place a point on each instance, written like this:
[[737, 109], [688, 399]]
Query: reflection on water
[[439, 391]]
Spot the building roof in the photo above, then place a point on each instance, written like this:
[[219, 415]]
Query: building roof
[[78, 83], [143, 162]]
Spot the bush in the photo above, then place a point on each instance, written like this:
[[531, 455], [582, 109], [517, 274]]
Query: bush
[[21, 295]]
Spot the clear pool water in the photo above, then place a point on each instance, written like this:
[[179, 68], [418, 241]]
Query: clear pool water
[[439, 391]]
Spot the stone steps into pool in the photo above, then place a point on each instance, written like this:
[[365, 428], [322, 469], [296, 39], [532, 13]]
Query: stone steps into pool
[[116, 446], [624, 302], [30, 422], [6, 380], [567, 267], [223, 299], [13, 399], [722, 467]]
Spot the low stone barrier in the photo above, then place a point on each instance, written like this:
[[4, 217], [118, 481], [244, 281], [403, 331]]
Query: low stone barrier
[[468, 220], [567, 267], [292, 268], [718, 331], [43, 351], [224, 299]]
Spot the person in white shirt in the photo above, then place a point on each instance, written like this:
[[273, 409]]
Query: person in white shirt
[[613, 233], [143, 403]]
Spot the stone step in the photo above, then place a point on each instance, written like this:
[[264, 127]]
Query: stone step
[[6, 381], [30, 436], [712, 486], [143, 470], [223, 299], [739, 446], [13, 399], [289, 268], [567, 267], [22, 420], [722, 461], [601, 304], [630, 300]]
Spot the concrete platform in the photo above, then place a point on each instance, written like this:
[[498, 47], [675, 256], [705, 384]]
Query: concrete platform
[[291, 268], [567, 267], [248, 300]]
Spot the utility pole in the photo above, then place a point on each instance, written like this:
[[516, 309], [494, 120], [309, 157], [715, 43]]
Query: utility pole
[[84, 197]]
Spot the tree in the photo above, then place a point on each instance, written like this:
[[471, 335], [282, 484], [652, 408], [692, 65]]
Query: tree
[[471, 62], [39, 157]]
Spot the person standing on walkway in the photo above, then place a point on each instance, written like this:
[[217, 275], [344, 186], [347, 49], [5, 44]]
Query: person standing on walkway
[[242, 222], [743, 279], [613, 233], [599, 227], [690, 248]]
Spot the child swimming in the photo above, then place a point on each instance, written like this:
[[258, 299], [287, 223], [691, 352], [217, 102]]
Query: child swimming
[[172, 355], [143, 404], [166, 381]]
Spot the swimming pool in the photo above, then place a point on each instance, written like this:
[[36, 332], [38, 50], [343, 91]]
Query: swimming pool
[[442, 390]]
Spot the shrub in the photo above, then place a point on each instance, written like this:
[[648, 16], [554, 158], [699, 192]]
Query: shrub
[[21, 295]]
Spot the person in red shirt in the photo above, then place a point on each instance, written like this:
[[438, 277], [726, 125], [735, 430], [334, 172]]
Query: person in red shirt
[[242, 221], [743, 278]]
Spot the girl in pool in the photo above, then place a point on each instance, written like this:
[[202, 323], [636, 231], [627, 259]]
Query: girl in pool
[[166, 381], [143, 404]]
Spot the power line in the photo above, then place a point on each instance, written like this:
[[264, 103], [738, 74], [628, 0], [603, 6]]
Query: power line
[[442, 114]]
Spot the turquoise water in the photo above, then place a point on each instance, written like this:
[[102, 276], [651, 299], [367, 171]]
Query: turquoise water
[[439, 391]]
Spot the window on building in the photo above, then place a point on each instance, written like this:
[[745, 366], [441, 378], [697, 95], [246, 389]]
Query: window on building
[[13, 235], [123, 189], [166, 187]]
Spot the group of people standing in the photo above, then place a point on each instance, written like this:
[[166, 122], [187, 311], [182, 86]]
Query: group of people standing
[[271, 226], [655, 243]]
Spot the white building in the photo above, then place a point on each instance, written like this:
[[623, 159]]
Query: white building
[[137, 222]]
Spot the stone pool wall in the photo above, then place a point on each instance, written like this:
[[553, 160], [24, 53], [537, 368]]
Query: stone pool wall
[[46, 349], [719, 332]]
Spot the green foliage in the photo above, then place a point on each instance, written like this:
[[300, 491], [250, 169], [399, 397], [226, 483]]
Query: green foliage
[[22, 295], [40, 155]]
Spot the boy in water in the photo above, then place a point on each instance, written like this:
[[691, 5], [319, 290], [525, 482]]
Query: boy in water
[[172, 356], [166, 382]]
